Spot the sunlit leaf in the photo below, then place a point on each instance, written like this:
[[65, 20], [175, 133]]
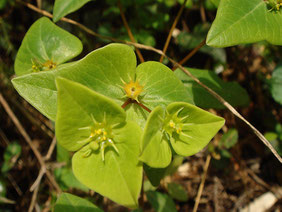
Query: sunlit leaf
[[71, 203], [241, 21]]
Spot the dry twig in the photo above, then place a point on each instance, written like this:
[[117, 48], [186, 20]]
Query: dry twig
[[51, 149], [29, 141], [129, 31], [190, 54], [201, 187], [33, 199]]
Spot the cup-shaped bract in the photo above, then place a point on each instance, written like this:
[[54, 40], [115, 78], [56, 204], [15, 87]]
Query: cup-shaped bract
[[106, 146], [44, 47], [187, 129]]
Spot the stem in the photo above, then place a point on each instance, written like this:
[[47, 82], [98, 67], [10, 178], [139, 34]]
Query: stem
[[143, 106], [190, 54], [171, 30], [129, 31], [127, 102]]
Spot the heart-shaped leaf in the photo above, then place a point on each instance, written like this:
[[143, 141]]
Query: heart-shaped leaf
[[241, 21], [101, 70], [106, 158], [199, 127], [112, 72], [44, 47], [232, 92], [63, 7], [187, 127]]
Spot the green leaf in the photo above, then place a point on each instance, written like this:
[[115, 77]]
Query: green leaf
[[64, 175], [161, 202], [241, 21], [63, 155], [187, 128], [161, 87], [154, 174], [173, 166], [176, 191], [44, 47], [106, 71], [215, 2], [11, 154], [67, 180], [111, 166], [229, 139], [276, 84], [198, 128], [155, 149], [63, 8], [71, 203], [232, 92], [271, 136]]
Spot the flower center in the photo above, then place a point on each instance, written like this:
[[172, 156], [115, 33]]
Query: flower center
[[133, 90], [100, 138]]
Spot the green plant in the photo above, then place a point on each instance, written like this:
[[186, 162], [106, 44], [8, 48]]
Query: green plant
[[119, 118]]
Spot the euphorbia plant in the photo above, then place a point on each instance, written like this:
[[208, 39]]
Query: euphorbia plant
[[110, 113]]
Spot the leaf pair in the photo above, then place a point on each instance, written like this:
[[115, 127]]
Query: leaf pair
[[107, 71], [181, 126], [86, 119]]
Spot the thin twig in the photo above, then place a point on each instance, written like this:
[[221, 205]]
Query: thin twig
[[38, 179], [188, 56], [14, 184], [202, 12], [6, 200], [51, 149], [129, 31], [160, 52], [29, 141], [171, 29], [201, 187], [33, 199]]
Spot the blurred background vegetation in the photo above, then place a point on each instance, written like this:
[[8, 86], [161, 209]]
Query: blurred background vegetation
[[241, 167]]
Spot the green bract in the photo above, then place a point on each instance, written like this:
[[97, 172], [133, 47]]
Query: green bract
[[185, 127], [107, 70], [106, 146], [243, 21], [45, 46]]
